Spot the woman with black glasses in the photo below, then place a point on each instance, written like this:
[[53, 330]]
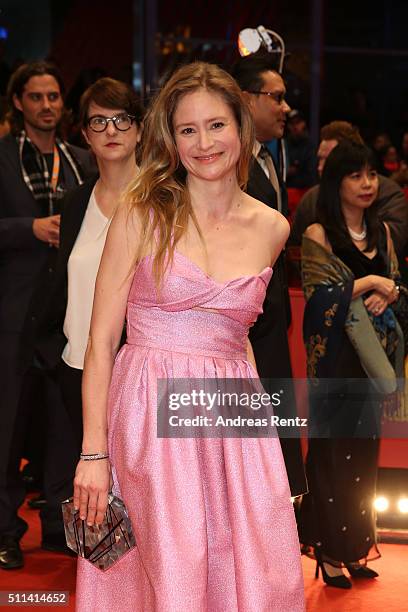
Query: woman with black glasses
[[111, 117]]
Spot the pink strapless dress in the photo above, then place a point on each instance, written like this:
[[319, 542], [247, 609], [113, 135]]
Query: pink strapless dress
[[214, 525]]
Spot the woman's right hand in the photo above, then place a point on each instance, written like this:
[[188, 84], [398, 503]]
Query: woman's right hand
[[386, 287], [91, 487], [376, 303]]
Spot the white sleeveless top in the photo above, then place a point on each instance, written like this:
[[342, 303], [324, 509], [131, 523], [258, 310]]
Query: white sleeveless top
[[83, 265]]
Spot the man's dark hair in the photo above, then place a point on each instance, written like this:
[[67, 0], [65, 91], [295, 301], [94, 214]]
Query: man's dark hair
[[347, 157], [341, 131], [16, 85], [248, 70], [113, 94]]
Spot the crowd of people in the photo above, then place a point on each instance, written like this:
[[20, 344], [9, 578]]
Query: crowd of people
[[157, 251], [392, 160]]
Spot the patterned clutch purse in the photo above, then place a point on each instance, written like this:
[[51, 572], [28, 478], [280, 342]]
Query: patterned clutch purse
[[103, 544]]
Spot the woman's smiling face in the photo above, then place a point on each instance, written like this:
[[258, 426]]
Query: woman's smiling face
[[206, 135]]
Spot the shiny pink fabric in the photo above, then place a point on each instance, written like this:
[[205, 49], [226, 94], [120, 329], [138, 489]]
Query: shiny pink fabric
[[213, 520]]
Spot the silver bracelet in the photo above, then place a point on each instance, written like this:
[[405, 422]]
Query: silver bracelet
[[94, 456]]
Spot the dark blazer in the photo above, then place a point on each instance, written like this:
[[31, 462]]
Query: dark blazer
[[24, 260], [268, 336], [260, 187], [50, 340], [26, 269]]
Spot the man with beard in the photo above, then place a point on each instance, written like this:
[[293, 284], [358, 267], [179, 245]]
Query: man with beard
[[36, 168]]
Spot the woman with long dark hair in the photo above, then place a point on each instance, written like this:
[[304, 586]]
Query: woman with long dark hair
[[355, 349]]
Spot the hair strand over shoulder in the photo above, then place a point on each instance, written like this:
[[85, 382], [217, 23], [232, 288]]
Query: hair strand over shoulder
[[159, 194]]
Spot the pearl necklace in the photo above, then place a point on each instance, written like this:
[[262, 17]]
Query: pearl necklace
[[358, 237]]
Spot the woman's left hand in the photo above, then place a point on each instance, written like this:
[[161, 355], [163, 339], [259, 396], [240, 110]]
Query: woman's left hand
[[376, 303]]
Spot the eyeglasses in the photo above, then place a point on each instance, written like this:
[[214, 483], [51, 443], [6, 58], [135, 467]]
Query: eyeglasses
[[279, 97], [99, 123]]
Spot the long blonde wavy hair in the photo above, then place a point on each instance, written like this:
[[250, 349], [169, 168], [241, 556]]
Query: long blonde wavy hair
[[159, 193]]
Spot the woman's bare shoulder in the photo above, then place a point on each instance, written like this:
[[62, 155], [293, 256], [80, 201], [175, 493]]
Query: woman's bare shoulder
[[125, 229], [269, 219], [129, 217], [316, 232], [270, 226]]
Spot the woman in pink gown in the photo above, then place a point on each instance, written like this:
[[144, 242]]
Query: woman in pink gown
[[212, 517]]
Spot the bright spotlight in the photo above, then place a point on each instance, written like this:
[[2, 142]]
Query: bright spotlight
[[250, 40], [403, 505], [381, 504]]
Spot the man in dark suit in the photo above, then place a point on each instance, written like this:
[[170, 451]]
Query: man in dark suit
[[36, 168], [264, 90]]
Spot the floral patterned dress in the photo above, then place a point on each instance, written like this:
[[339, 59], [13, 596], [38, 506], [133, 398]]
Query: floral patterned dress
[[338, 516]]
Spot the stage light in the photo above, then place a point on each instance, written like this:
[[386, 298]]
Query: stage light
[[381, 504], [250, 40], [403, 505], [392, 523]]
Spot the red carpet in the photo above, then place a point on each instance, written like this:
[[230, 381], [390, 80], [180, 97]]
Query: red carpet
[[42, 570], [388, 593]]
